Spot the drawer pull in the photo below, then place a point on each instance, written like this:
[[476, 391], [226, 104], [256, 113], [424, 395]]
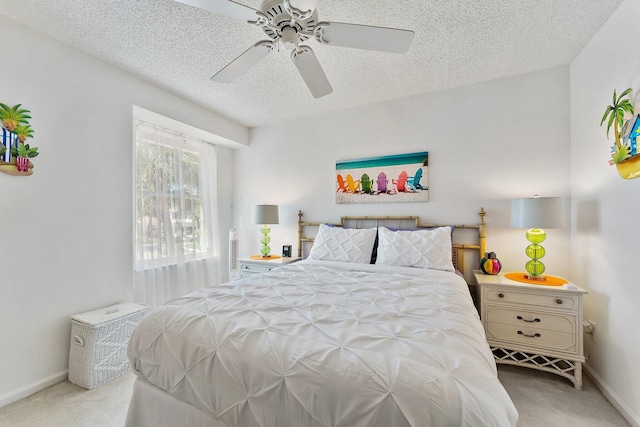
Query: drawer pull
[[527, 320], [558, 301], [536, 335], [500, 295]]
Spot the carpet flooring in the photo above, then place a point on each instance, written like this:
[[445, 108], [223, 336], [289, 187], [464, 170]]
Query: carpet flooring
[[542, 399]]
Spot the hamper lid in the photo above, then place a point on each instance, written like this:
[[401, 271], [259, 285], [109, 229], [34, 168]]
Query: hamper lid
[[106, 314]]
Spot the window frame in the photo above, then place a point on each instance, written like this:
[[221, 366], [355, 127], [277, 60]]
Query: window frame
[[193, 147]]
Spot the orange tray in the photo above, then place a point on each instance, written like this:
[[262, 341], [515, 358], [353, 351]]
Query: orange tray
[[549, 280], [264, 258]]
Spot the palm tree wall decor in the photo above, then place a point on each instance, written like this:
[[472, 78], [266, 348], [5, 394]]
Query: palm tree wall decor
[[625, 158], [14, 152]]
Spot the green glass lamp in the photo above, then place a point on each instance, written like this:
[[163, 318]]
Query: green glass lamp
[[535, 214], [265, 215]]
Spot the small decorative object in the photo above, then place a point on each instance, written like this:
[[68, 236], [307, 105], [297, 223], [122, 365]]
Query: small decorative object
[[490, 264], [286, 251], [265, 215], [535, 213], [624, 152], [14, 152]]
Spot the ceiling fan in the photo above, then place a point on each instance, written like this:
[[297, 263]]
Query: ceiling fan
[[292, 23]]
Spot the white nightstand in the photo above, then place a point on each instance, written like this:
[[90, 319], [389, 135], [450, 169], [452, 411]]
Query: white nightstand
[[536, 326], [249, 267]]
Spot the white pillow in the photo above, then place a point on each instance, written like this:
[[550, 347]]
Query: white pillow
[[343, 244], [417, 248]]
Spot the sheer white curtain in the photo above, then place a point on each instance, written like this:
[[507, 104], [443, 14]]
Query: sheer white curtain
[[176, 215]]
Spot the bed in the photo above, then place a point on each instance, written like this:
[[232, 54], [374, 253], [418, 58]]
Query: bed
[[333, 340]]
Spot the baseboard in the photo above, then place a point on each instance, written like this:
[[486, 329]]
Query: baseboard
[[612, 397], [34, 387]]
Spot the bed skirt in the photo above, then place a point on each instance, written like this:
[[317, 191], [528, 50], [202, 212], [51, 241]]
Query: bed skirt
[[153, 407]]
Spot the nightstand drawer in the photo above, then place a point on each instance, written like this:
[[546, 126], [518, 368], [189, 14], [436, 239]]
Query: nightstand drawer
[[256, 268], [251, 266], [534, 337], [549, 300], [532, 319]]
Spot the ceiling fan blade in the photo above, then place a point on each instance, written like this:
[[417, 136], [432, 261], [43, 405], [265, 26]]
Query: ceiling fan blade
[[364, 37], [311, 71], [224, 7], [242, 63]]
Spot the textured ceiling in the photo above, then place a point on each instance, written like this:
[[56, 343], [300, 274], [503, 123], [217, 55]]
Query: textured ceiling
[[457, 42]]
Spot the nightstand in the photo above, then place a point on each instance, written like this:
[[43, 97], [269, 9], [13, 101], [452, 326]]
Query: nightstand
[[535, 326], [249, 267]]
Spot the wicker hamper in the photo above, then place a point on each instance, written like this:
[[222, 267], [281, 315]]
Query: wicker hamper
[[99, 338]]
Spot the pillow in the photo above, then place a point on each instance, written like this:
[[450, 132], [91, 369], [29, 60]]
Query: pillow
[[419, 248], [343, 244], [374, 255]]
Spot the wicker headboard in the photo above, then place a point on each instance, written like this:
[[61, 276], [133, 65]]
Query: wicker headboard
[[477, 244]]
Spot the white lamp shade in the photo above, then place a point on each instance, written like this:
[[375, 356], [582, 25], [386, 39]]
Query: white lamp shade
[[265, 214], [538, 212]]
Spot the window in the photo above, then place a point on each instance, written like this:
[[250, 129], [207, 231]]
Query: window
[[168, 208], [175, 212]]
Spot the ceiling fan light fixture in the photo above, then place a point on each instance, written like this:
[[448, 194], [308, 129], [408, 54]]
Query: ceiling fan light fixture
[[289, 36]]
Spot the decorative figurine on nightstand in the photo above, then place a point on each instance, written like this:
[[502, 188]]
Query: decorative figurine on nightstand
[[490, 264]]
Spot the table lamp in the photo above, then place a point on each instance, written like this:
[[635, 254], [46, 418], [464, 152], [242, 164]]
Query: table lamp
[[265, 215], [535, 214]]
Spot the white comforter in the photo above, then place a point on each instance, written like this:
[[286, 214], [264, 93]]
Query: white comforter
[[327, 344]]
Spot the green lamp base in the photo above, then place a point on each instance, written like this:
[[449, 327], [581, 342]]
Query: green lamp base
[[535, 251], [265, 250]]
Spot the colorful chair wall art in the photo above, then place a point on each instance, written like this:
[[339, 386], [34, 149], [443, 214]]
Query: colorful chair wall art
[[366, 184], [352, 186], [415, 181], [382, 182], [342, 186], [397, 178], [401, 182]]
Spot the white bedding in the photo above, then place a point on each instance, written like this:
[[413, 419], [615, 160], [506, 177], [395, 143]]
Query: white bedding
[[320, 343]]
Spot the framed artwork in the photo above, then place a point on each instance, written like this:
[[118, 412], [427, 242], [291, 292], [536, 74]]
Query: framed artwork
[[15, 153], [384, 179]]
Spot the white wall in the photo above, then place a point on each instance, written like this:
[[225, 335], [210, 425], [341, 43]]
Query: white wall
[[605, 210], [66, 237], [487, 143]]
